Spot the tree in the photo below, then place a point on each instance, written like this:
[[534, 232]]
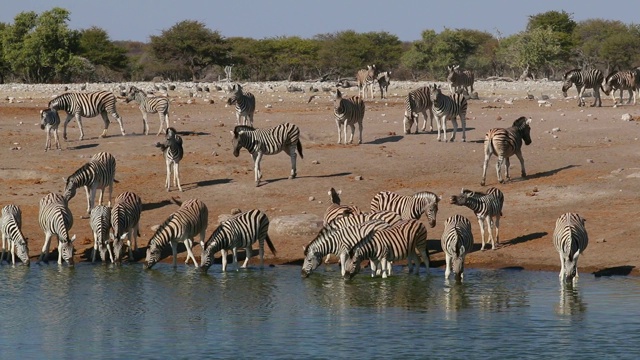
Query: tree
[[609, 43], [534, 50], [562, 26], [97, 48]]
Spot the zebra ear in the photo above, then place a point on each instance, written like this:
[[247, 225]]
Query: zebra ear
[[73, 238], [124, 236], [528, 121]]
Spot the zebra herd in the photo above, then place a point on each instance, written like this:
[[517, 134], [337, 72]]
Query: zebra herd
[[594, 79]]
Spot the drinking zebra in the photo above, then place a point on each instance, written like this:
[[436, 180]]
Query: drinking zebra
[[49, 121], [584, 79], [173, 153], [336, 210], [449, 107], [505, 143], [408, 207], [95, 175], [459, 79], [12, 238], [245, 105], [365, 78], [88, 105], [100, 222], [456, 241], [487, 208], [125, 218], [240, 231], [348, 112], [570, 240], [150, 105], [621, 80], [55, 218], [384, 79], [259, 142], [190, 220], [418, 101]]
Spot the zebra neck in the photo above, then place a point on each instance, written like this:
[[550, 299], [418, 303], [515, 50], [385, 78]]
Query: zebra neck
[[474, 204]]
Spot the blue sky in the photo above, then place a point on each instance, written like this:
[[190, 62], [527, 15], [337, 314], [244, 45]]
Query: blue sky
[[258, 19]]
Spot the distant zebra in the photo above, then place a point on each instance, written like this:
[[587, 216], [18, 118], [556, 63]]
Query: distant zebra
[[125, 218], [150, 105], [88, 105], [365, 78], [409, 207], [12, 238], [245, 105], [336, 210], [240, 231], [100, 221], [173, 153], [584, 79], [348, 112], [55, 218], [449, 107], [487, 208], [49, 121], [621, 80], [418, 101], [190, 220], [460, 79], [505, 143], [384, 79], [259, 142], [98, 173], [456, 242], [570, 240]]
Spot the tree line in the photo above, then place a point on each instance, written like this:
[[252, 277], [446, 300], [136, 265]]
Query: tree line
[[41, 48]]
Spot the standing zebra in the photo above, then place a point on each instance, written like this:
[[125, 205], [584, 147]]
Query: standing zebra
[[55, 218], [259, 142], [189, 220], [449, 107], [150, 105], [384, 79], [486, 207], [336, 210], [96, 174], [365, 78], [49, 121], [240, 231], [409, 207], [88, 105], [245, 105], [173, 152], [100, 221], [125, 218], [459, 79], [12, 237], [504, 143], [570, 240], [418, 101], [348, 112], [621, 80], [584, 79], [456, 242]]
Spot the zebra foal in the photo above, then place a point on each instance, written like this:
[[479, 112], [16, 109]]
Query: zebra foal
[[125, 218], [173, 152], [97, 174], [408, 207], [460, 79], [12, 237], [449, 107], [384, 80], [348, 112], [487, 208], [49, 121], [456, 242], [150, 105], [365, 78], [245, 105], [55, 218], [583, 80], [505, 143], [622, 80], [570, 240], [418, 101]]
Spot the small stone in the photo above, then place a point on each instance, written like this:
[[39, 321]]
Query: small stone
[[627, 117], [590, 161], [499, 118], [555, 129], [357, 177], [315, 162], [311, 198]]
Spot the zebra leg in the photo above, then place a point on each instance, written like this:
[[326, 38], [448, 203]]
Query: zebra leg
[[481, 223], [55, 137], [454, 121], [167, 183], [79, 121], [360, 129], [352, 127], [489, 222], [176, 175], [463, 121], [105, 120], [501, 160], [250, 118], [339, 132], [443, 119], [496, 224], [523, 171], [145, 124], [174, 252], [44, 255], [64, 129], [507, 165], [384, 264], [47, 144], [119, 119], [261, 253], [234, 251], [561, 275], [487, 156], [345, 132], [91, 193], [189, 244], [163, 118], [223, 255], [95, 247], [596, 95], [12, 249], [257, 157], [4, 244], [247, 255], [447, 266], [293, 155]]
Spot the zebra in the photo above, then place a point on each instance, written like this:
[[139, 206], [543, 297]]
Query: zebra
[[173, 153], [189, 220], [125, 218], [418, 101], [348, 112], [408, 207], [12, 237], [486, 207], [150, 105], [49, 121], [88, 105], [240, 231], [584, 79], [384, 79], [55, 218], [365, 78], [621, 80], [259, 142], [460, 79], [100, 222], [456, 242], [245, 105], [336, 210], [449, 107], [98, 173], [504, 143], [570, 240]]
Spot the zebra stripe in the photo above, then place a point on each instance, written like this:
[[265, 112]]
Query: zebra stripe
[[409, 207], [621, 80], [348, 112], [570, 240], [486, 207], [125, 218], [387, 216], [584, 79], [456, 242], [240, 231], [100, 222], [150, 105], [460, 79], [418, 101], [12, 237], [245, 105], [96, 174], [336, 210], [365, 78], [259, 142], [49, 121], [384, 79], [189, 220], [449, 107], [173, 153], [505, 143], [88, 105], [55, 218]]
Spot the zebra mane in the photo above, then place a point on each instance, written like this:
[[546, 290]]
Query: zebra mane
[[335, 196], [428, 195], [571, 71], [241, 128], [520, 122], [610, 75]]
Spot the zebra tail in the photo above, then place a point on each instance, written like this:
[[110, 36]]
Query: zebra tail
[[299, 146], [270, 245]]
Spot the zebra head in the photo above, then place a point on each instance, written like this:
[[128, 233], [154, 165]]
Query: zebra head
[[22, 250], [133, 93], [236, 93], [206, 259], [153, 255], [66, 249], [457, 263], [522, 124], [236, 144], [568, 80], [452, 69], [48, 117], [570, 264], [69, 189], [312, 260], [352, 264], [118, 246], [171, 133]]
